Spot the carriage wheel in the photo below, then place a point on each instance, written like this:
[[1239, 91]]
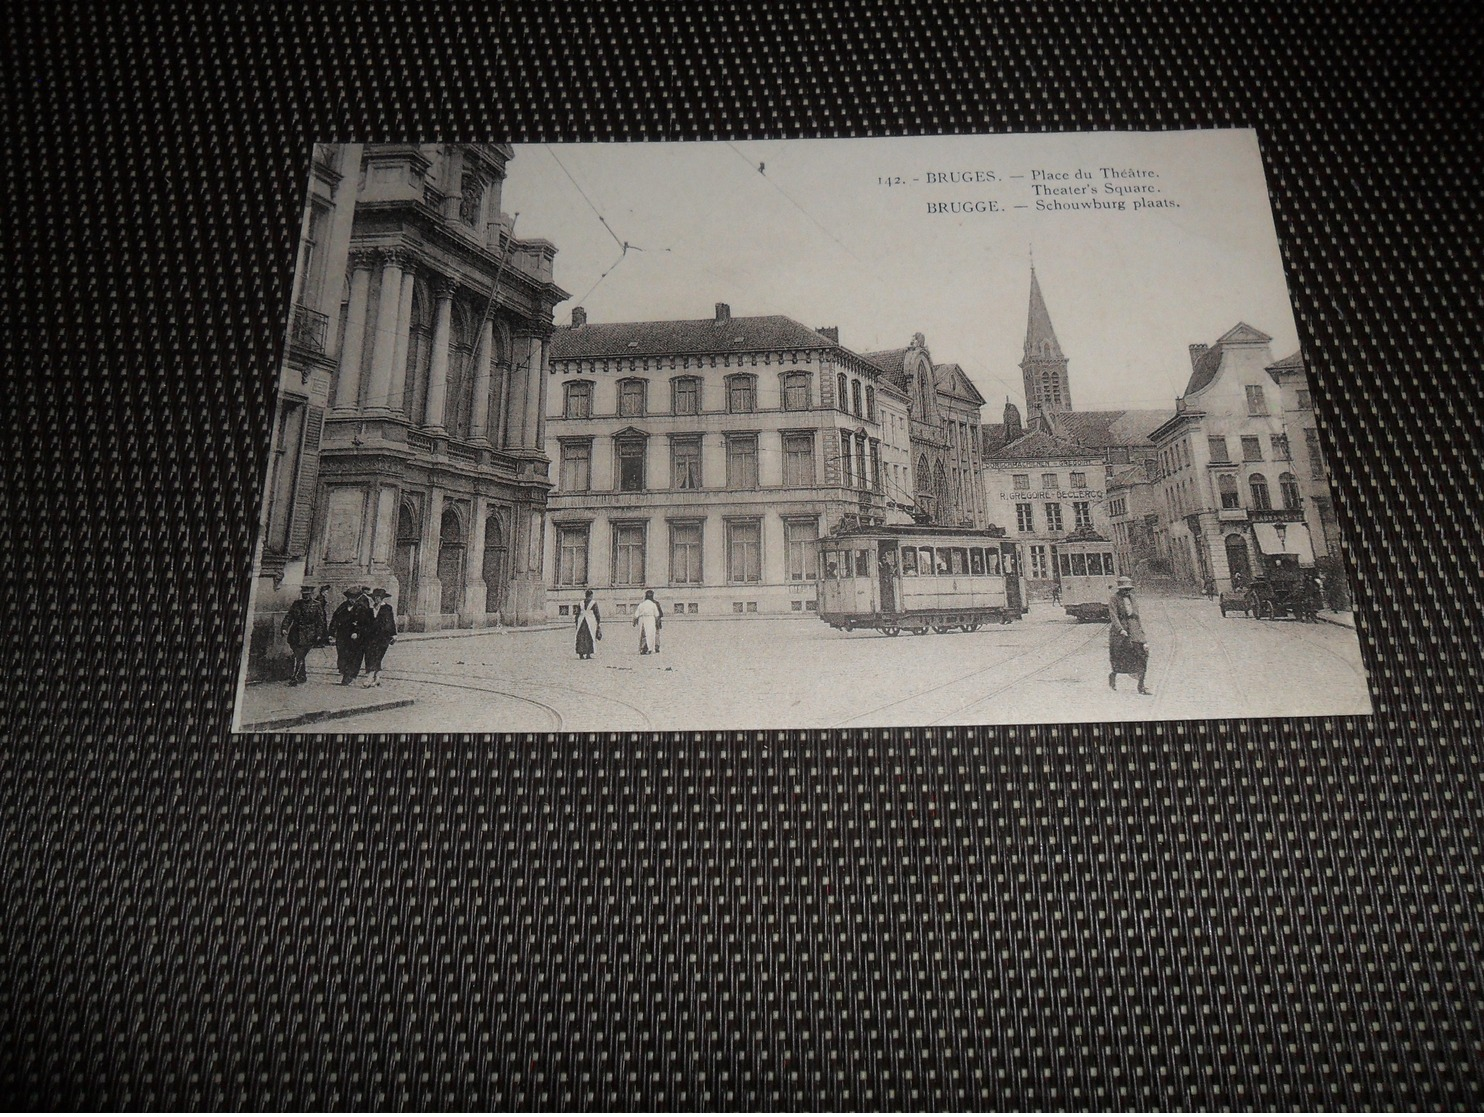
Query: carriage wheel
[[972, 626], [849, 626], [890, 630], [923, 631], [941, 629]]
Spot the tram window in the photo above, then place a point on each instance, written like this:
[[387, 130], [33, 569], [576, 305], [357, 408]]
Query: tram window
[[1108, 567], [960, 559], [976, 561], [942, 567], [1095, 565], [925, 560], [1064, 561], [831, 564], [992, 561], [1079, 565], [862, 563], [909, 561]]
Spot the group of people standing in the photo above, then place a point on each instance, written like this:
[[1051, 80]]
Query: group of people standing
[[648, 618], [361, 629]]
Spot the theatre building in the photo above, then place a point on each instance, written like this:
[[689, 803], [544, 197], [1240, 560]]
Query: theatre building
[[418, 464], [703, 459]]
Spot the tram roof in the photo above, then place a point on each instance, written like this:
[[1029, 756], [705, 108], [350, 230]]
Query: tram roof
[[917, 531]]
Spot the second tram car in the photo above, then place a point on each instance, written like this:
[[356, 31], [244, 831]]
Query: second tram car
[[917, 578], [1086, 571]]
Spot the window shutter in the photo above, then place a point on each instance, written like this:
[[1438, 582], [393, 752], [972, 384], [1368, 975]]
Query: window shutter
[[303, 512]]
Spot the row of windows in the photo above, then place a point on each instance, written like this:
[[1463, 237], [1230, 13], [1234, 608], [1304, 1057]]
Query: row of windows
[[1025, 516], [630, 559], [1076, 480], [741, 396], [860, 460], [917, 562], [1257, 485], [1251, 448], [1086, 564]]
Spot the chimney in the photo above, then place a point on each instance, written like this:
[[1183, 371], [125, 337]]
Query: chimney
[[723, 313], [579, 317], [1196, 353], [831, 332]]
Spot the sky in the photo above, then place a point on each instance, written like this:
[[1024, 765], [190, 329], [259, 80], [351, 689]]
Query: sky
[[826, 234]]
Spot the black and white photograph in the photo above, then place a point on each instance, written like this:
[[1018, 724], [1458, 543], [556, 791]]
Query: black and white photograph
[[806, 434]]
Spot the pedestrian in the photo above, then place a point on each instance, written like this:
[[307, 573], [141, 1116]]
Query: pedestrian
[[1056, 593], [304, 628], [383, 634], [650, 618], [1209, 589], [349, 628], [589, 627], [1128, 650]]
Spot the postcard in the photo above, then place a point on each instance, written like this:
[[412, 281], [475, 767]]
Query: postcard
[[804, 434]]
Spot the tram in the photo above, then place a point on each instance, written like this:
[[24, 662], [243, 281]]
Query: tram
[[1086, 571], [917, 578]]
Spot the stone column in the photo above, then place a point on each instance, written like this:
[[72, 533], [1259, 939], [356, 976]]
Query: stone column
[[398, 388], [429, 588], [515, 398], [538, 366], [479, 422], [388, 328], [438, 369], [475, 591], [348, 389]]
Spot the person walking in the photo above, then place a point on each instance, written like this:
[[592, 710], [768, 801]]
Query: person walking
[[589, 627], [1128, 650], [349, 628], [383, 634], [649, 617], [303, 628]]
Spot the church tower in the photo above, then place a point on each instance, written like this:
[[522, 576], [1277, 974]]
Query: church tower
[[1047, 390]]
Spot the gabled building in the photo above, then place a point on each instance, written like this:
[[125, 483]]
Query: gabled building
[[944, 436], [1310, 470], [1225, 476], [704, 458]]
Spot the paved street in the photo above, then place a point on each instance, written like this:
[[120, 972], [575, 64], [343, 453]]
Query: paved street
[[799, 673]]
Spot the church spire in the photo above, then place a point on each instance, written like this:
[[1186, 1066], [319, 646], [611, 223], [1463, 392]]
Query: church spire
[[1044, 365]]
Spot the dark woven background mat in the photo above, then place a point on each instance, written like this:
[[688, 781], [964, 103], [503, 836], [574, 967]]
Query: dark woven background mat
[[1181, 915]]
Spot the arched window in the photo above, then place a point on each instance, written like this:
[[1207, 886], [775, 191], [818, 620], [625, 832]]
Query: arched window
[[870, 403], [451, 562], [942, 495], [419, 354], [741, 394], [923, 482], [795, 391], [1226, 486], [633, 398], [493, 568], [842, 392], [1288, 483], [855, 398], [1258, 484], [460, 372], [405, 555]]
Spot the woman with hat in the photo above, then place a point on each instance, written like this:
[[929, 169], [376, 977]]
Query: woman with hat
[[1128, 651], [383, 632]]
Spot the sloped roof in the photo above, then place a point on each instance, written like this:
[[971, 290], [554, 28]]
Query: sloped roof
[[686, 337], [1104, 429], [893, 365], [1293, 360], [1130, 475], [1039, 444], [1204, 368], [992, 437], [951, 378]]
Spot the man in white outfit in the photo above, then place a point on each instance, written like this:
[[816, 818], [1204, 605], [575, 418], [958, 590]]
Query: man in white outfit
[[648, 616]]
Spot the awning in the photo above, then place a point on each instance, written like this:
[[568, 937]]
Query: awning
[[1285, 539]]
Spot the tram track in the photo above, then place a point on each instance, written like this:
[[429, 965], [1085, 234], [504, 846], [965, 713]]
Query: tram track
[[442, 680], [439, 679], [1019, 680], [1070, 638]]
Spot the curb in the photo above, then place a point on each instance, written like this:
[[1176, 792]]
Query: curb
[[1337, 624], [313, 716]]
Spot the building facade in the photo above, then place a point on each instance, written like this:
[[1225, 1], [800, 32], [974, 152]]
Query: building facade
[[282, 557], [703, 459], [428, 475], [1309, 465], [1225, 470], [944, 442]]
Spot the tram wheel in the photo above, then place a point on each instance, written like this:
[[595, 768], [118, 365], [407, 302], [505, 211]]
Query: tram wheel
[[920, 631], [890, 630], [940, 629], [972, 626]]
